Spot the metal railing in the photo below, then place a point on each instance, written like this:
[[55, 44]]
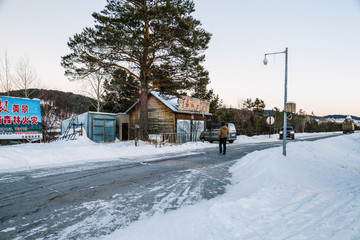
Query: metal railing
[[172, 138], [71, 135]]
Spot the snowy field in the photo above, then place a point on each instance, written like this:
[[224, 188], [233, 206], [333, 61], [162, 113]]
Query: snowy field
[[313, 193], [83, 150]]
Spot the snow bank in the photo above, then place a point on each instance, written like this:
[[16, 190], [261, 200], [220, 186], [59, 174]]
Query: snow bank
[[275, 137], [83, 150], [313, 193]]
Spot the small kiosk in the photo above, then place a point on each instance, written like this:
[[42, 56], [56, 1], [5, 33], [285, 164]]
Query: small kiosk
[[99, 127]]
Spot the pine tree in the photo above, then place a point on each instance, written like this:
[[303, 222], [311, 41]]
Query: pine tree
[[279, 118], [157, 42], [253, 112], [260, 119]]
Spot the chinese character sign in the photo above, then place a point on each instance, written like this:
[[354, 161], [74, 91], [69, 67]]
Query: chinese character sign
[[20, 118], [193, 105]]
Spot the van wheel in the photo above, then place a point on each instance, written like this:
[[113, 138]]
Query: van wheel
[[231, 141], [210, 141]]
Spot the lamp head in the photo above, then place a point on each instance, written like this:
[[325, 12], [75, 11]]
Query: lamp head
[[265, 61]]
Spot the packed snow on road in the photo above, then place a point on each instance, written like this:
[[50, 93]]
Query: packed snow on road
[[313, 192]]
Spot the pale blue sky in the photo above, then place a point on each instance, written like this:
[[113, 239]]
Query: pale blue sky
[[323, 37]]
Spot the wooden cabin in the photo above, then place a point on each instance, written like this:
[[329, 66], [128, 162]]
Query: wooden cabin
[[182, 119]]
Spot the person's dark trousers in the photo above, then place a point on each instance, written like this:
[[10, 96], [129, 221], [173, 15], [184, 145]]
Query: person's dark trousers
[[222, 143]]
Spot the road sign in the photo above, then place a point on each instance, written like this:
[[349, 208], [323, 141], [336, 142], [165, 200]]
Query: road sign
[[270, 120]]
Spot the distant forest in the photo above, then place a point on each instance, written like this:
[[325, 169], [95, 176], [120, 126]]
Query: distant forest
[[57, 106], [251, 119]]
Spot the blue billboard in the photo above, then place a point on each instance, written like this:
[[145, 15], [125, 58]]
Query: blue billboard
[[20, 118]]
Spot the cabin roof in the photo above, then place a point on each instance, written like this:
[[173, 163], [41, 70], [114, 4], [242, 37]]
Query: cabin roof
[[169, 101]]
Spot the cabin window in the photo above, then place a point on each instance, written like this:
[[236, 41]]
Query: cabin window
[[189, 130], [183, 128], [197, 127]]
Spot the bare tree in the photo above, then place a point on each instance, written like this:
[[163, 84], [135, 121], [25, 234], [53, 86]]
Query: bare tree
[[94, 87], [26, 76], [48, 118], [5, 73], [51, 116]]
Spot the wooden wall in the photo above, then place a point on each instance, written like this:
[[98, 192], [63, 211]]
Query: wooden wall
[[189, 116], [161, 119]]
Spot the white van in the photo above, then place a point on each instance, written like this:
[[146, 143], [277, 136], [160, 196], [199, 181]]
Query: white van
[[211, 133]]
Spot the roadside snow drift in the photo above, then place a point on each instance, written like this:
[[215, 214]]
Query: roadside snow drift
[[83, 150], [313, 193]]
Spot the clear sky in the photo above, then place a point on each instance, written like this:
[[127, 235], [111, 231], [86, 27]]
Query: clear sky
[[323, 38]]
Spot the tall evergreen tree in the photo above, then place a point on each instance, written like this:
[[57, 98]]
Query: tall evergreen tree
[[158, 42], [260, 119]]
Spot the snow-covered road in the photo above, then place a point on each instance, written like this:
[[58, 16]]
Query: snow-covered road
[[89, 199]]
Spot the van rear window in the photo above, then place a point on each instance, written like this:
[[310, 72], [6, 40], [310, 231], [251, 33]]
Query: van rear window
[[231, 127]]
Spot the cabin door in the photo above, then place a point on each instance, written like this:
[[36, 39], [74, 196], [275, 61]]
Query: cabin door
[[125, 131]]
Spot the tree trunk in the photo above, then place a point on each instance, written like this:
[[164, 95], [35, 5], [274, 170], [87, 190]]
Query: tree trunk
[[143, 130]]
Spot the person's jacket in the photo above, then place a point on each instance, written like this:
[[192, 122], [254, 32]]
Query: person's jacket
[[223, 132]]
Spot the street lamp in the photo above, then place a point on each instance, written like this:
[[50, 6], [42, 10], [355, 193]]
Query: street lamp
[[285, 95]]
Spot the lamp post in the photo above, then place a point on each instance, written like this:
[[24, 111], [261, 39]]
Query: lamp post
[[285, 94]]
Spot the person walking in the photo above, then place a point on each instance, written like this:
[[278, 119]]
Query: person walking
[[222, 137]]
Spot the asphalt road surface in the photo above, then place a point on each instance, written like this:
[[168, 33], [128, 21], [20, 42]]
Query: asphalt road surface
[[92, 200]]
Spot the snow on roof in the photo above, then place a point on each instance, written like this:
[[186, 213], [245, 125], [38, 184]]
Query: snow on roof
[[168, 100], [91, 112]]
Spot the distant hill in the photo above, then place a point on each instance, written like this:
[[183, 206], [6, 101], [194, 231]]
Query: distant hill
[[66, 101]]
